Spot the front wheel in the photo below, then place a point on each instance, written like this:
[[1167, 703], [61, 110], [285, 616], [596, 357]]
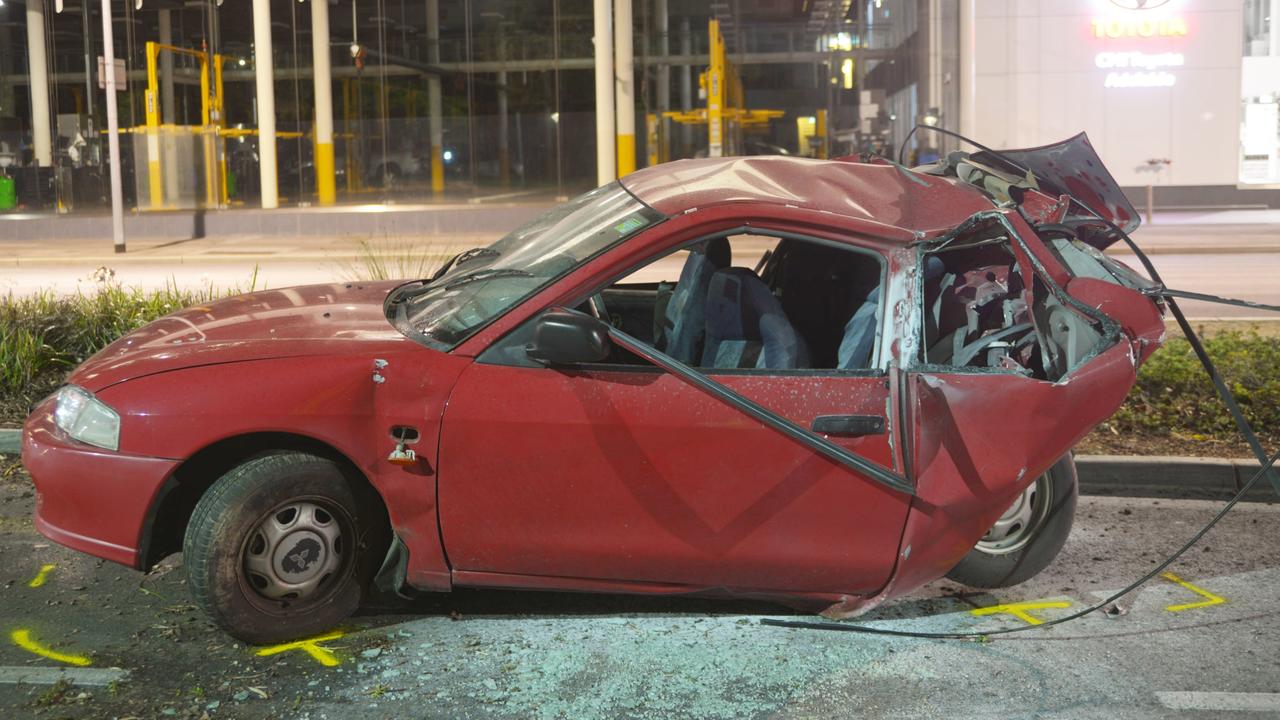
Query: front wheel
[[282, 547], [1028, 536]]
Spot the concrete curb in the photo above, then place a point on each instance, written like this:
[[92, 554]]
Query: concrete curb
[[1124, 476], [1169, 477]]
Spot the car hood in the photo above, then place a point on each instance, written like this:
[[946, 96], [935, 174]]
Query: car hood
[[290, 322], [1073, 167]]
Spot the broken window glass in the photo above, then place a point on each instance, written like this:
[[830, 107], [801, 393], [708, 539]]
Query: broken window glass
[[983, 310]]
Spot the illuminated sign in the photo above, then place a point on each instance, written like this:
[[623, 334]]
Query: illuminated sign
[[1141, 60], [1138, 69], [1140, 79], [1140, 27], [1134, 68], [1139, 4]]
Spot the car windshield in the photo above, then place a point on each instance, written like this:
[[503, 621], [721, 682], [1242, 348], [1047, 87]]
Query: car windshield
[[482, 284]]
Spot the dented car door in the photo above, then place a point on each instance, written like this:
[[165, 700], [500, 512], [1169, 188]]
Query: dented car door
[[1013, 371]]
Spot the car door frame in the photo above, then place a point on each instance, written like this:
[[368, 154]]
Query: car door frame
[[956, 503], [665, 238]]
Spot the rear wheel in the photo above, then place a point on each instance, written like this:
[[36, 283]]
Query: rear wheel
[[282, 547], [1028, 536]]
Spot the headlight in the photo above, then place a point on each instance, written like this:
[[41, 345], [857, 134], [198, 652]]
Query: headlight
[[82, 416]]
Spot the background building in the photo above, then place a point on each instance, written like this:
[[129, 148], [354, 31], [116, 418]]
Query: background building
[[419, 101], [1181, 94]]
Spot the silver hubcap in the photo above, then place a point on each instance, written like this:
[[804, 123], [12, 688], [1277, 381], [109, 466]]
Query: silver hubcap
[[293, 552], [1019, 523]]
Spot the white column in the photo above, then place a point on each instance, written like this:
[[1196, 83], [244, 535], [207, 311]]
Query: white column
[[968, 70], [326, 180], [664, 74], [1274, 29], [606, 159], [624, 87], [113, 128], [686, 83], [504, 130], [263, 72], [664, 49], [41, 134], [434, 105], [166, 69]]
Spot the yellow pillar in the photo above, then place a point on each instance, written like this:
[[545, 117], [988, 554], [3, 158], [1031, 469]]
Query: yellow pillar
[[154, 179], [652, 141], [435, 123], [715, 92], [821, 132]]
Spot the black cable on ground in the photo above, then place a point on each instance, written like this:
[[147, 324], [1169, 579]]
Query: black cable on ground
[[810, 625], [1224, 394]]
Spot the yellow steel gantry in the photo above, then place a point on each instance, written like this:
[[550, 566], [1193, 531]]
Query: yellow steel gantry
[[212, 128], [724, 115]]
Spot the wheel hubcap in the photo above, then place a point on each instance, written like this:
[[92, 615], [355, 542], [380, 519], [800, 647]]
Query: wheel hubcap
[[1019, 523], [293, 552]]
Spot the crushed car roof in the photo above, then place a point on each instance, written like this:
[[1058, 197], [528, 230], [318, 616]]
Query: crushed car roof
[[880, 192]]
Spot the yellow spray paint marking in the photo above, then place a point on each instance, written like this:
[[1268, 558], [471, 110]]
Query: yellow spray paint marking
[[41, 576], [310, 646], [1209, 598], [1019, 610], [23, 640]]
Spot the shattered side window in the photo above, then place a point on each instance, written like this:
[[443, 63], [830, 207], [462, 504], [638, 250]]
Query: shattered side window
[[1083, 260], [983, 311]]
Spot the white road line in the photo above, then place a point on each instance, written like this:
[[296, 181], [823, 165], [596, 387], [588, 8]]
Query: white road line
[[1224, 701], [96, 677]]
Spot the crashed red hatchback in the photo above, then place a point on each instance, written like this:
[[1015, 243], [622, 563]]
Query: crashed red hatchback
[[820, 382]]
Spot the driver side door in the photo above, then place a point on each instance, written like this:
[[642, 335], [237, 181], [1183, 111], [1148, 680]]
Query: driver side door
[[622, 474]]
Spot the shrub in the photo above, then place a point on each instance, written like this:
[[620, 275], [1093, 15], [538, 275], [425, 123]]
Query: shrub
[[394, 259], [43, 336], [1174, 395]]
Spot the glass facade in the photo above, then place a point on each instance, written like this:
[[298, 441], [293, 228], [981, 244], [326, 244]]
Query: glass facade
[[516, 97], [1260, 94]]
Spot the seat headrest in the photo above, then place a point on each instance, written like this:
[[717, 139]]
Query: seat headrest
[[718, 252]]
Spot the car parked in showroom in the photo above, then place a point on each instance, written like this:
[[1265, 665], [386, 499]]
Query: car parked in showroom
[[819, 382]]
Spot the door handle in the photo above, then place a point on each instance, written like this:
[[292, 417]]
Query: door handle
[[849, 425]]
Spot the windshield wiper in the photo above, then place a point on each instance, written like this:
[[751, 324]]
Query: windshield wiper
[[488, 275], [463, 257]]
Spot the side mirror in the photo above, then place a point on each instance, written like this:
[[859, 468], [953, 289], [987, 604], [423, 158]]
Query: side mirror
[[562, 337]]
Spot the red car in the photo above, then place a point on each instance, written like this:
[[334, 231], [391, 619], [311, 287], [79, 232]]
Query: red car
[[820, 382]]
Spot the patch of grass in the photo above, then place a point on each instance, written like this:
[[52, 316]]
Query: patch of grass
[[1175, 400], [43, 336], [55, 695], [394, 259]]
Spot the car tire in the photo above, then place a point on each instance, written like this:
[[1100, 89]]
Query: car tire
[[1011, 553], [283, 546]]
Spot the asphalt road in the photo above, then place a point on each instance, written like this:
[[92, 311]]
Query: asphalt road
[[137, 648], [1245, 276]]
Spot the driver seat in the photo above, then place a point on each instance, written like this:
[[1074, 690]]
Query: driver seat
[[684, 315], [746, 326]]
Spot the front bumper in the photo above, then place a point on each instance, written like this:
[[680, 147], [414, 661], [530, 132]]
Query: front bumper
[[89, 499]]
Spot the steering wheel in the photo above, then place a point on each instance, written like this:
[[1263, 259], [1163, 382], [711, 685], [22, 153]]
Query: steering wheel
[[967, 353]]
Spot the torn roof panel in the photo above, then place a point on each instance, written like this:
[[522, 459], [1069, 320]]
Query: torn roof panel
[[877, 191]]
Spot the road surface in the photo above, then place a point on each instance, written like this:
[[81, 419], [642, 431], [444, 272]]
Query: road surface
[[1205, 645]]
